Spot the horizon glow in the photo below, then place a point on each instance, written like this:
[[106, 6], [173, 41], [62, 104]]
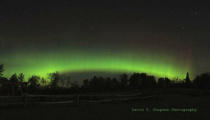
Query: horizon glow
[[43, 63]]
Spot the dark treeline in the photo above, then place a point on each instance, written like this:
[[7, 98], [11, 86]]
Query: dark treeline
[[61, 84]]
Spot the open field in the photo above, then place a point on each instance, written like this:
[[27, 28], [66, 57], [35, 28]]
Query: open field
[[118, 110]]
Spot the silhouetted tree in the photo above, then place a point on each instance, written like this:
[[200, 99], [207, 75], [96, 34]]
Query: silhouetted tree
[[136, 80], [115, 84], [22, 84], [13, 83], [163, 82], [124, 81], [187, 80], [142, 80], [94, 83], [1, 69], [54, 77], [14, 78], [202, 81], [109, 84], [4, 85], [33, 82], [148, 81], [102, 84], [21, 77]]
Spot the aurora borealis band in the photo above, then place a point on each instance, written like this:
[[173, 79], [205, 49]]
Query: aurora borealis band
[[164, 39], [79, 61]]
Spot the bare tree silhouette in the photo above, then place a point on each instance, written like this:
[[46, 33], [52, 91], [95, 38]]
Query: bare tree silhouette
[[21, 77]]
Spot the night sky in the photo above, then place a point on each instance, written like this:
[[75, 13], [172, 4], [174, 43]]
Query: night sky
[[162, 38]]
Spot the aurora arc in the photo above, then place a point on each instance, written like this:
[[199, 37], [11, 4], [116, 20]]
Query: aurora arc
[[41, 64]]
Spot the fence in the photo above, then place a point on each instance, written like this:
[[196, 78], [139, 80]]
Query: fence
[[69, 99]]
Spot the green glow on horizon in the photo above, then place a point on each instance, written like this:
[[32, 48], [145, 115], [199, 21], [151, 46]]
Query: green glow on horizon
[[38, 63]]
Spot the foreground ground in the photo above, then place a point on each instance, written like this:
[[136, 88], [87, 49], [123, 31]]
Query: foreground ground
[[116, 111]]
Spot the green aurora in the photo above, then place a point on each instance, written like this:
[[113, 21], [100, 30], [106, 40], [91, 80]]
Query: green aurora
[[43, 63]]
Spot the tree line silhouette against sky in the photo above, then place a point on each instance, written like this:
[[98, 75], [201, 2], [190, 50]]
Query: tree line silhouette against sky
[[60, 84]]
